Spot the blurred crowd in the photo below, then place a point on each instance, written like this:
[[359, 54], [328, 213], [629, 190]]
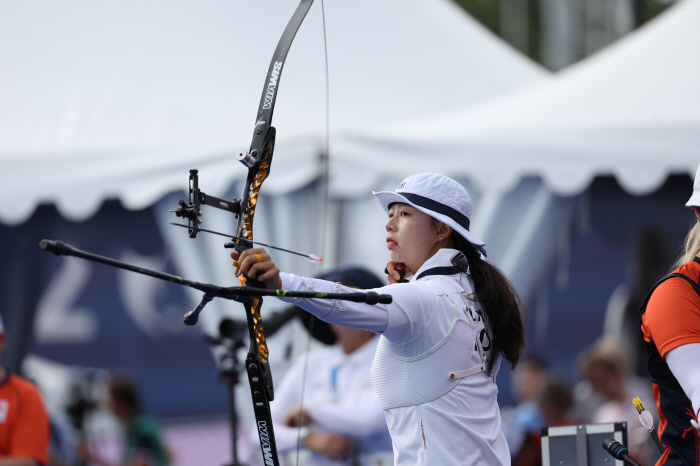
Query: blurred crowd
[[31, 434], [139, 442], [602, 393]]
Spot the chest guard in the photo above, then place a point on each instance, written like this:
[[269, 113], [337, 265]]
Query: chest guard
[[401, 381]]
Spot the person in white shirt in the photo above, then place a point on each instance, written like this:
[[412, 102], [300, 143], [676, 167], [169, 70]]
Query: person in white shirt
[[443, 335], [341, 421]]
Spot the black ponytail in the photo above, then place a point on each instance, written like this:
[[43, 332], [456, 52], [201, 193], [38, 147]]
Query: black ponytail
[[500, 301]]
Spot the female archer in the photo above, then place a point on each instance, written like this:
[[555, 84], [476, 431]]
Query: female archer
[[671, 330], [444, 334]]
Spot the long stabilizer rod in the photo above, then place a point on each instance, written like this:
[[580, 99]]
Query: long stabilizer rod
[[236, 293]]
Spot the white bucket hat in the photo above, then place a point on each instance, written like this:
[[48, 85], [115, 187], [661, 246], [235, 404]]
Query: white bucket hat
[[438, 196], [694, 200]]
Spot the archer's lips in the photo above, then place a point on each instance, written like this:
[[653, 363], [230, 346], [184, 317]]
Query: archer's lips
[[390, 243]]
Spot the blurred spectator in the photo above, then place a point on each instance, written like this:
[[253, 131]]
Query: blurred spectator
[[341, 420], [605, 369], [554, 401], [24, 422], [517, 423], [142, 445]]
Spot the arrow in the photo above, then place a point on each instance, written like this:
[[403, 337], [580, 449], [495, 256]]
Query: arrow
[[311, 257]]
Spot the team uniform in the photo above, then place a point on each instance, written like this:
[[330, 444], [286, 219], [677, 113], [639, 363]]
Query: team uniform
[[340, 399], [143, 443], [672, 320], [24, 422], [429, 369]]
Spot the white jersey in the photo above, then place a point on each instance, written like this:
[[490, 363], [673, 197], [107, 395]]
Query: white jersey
[[461, 425], [339, 397]]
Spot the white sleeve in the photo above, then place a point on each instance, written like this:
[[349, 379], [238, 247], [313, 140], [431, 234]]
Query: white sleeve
[[406, 317], [287, 395], [683, 362]]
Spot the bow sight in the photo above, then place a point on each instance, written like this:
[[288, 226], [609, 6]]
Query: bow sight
[[196, 198]]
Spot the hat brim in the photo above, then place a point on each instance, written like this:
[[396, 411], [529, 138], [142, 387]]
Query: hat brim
[[694, 200], [386, 198]]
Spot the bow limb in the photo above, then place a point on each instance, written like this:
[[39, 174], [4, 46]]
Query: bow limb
[[259, 160]]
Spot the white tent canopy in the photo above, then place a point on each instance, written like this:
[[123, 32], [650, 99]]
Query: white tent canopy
[[112, 100], [632, 110]]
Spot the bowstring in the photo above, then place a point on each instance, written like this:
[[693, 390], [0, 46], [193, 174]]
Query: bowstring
[[325, 161]]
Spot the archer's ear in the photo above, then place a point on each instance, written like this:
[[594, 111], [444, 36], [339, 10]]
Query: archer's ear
[[444, 230]]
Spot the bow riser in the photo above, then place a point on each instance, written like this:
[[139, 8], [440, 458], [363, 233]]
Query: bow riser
[[257, 174], [257, 365], [256, 177]]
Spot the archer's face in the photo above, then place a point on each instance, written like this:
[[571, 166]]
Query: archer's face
[[411, 236]]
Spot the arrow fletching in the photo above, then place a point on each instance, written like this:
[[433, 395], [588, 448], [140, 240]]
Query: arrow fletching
[[647, 420]]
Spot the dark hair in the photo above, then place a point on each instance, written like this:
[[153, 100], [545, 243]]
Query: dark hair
[[500, 301], [556, 393], [123, 390]]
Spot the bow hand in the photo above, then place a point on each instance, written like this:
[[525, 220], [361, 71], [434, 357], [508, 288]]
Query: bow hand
[[257, 264]]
